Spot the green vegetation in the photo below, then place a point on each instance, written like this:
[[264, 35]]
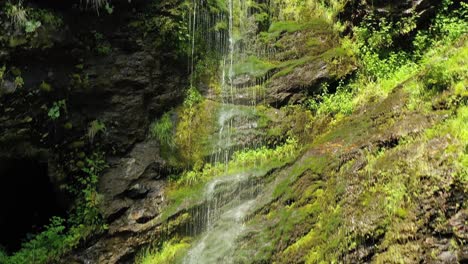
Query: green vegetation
[[61, 236], [187, 188], [253, 66], [191, 128], [47, 246], [17, 14], [297, 10], [163, 130], [55, 110], [87, 215], [168, 253], [44, 86], [19, 82], [348, 168], [94, 128], [103, 47], [30, 19], [241, 161]]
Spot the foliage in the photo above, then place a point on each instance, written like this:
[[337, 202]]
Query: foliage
[[437, 78], [45, 17], [170, 23], [163, 130], [340, 102], [19, 82], [385, 66], [54, 111], [22, 17], [168, 253], [31, 26], [88, 199], [450, 24], [94, 128], [192, 98], [103, 47], [109, 8], [61, 236], [45, 247], [299, 10], [191, 127], [241, 160], [17, 14], [254, 67]]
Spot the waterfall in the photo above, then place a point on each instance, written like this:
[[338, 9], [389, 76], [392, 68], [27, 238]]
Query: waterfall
[[218, 222]]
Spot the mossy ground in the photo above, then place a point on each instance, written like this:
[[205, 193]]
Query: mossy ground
[[378, 185]]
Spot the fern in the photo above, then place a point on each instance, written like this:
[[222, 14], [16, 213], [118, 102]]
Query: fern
[[95, 128], [17, 14]]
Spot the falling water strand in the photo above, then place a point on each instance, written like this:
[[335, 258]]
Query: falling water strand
[[193, 42], [219, 220]]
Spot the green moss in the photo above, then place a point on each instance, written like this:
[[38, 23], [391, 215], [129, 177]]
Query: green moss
[[169, 252], [253, 66], [288, 66], [397, 254]]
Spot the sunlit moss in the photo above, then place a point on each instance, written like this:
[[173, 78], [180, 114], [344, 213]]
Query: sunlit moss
[[168, 253], [253, 66]]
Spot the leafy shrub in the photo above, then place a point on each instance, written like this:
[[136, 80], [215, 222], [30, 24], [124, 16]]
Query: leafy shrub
[[54, 111], [46, 246], [88, 199], [21, 18], [450, 24], [17, 14], [163, 130], [340, 102], [31, 26], [437, 78]]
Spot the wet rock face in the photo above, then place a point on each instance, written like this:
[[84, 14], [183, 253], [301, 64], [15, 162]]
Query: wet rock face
[[101, 68], [132, 190], [105, 70], [312, 56]]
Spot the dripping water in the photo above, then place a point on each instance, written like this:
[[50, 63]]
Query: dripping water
[[218, 222]]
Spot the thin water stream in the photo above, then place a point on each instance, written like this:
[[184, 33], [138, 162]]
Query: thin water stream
[[218, 223]]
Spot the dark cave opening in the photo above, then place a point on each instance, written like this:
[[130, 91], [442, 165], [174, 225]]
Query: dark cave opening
[[27, 201]]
